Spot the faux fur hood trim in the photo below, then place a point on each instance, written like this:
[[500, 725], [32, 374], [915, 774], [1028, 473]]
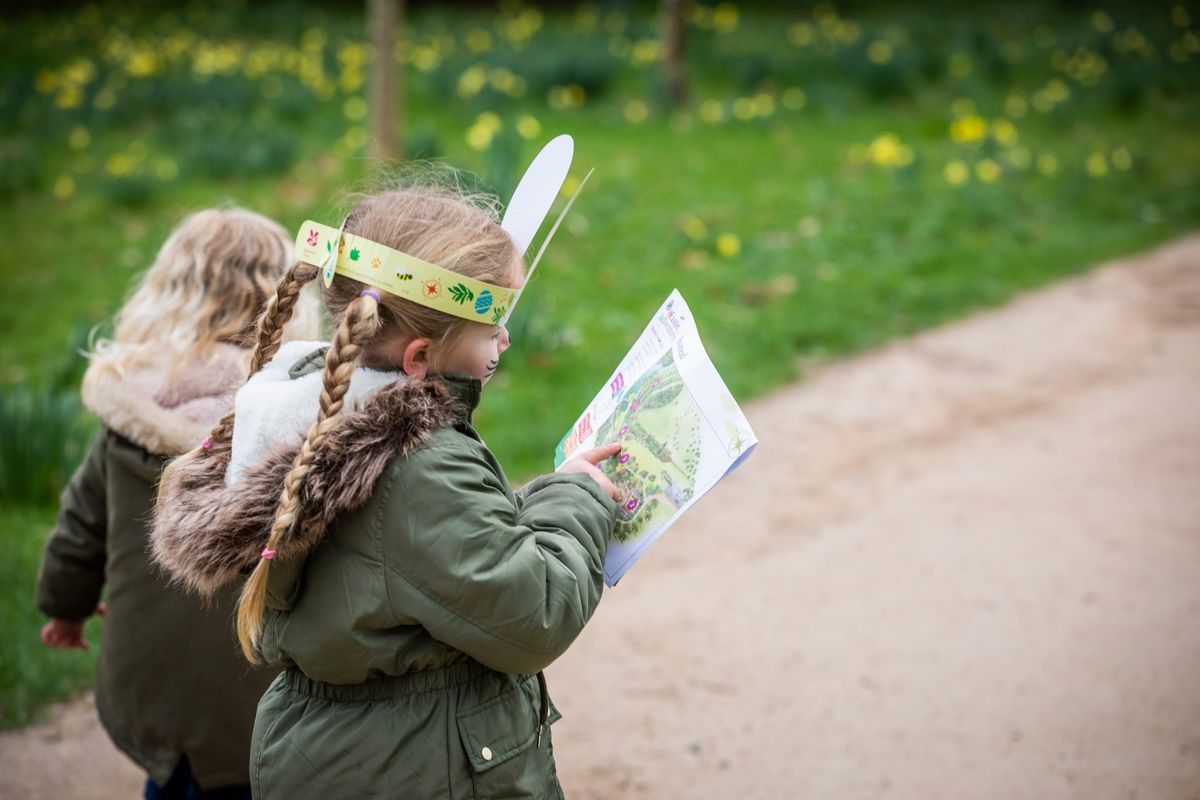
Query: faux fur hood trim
[[205, 533], [164, 412]]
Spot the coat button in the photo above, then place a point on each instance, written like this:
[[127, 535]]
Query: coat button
[[486, 753]]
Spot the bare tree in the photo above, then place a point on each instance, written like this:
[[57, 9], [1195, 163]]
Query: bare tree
[[385, 26], [674, 32]]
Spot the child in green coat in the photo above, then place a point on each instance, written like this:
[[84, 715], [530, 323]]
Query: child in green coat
[[411, 595], [171, 689]]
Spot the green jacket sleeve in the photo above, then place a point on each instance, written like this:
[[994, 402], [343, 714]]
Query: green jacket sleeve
[[72, 573], [510, 588]]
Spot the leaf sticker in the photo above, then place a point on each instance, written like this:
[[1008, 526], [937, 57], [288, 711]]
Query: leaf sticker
[[354, 254], [461, 294], [497, 314]]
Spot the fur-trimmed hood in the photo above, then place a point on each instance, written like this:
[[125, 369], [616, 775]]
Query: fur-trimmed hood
[[207, 532], [160, 406]]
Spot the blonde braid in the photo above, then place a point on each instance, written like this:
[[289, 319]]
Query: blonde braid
[[278, 312], [359, 325]]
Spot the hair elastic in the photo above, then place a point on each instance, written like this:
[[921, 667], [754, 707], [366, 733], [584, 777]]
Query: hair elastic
[[268, 553], [206, 444], [371, 293]]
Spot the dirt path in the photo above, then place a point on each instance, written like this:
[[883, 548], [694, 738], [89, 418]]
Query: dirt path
[[964, 566]]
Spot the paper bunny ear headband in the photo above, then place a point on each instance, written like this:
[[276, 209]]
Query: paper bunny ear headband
[[341, 253]]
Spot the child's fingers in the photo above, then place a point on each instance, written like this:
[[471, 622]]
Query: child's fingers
[[598, 454]]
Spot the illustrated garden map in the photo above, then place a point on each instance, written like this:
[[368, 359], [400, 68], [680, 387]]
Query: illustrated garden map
[[680, 427]]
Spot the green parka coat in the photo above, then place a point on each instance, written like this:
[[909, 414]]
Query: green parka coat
[[414, 605], [169, 680]]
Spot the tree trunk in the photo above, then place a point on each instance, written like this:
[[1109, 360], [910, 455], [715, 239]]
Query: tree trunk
[[674, 30], [385, 22]]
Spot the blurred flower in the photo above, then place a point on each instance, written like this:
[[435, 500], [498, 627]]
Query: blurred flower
[[968, 130], [809, 227], [481, 133], [1097, 164], [793, 98], [1121, 159], [1016, 106], [1004, 132], [570, 184], [1180, 16], [879, 52], [987, 170], [1101, 21], [79, 138], [572, 96], [728, 245], [143, 63], [886, 150], [64, 187], [506, 81], [166, 169], [693, 227], [646, 52], [1020, 157], [528, 127], [956, 173], [635, 112], [68, 97], [355, 108], [744, 108], [478, 40], [725, 17], [473, 79], [119, 165], [712, 111], [802, 34], [1047, 164]]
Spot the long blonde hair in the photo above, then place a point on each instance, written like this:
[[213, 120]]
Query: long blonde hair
[[436, 224], [206, 286]]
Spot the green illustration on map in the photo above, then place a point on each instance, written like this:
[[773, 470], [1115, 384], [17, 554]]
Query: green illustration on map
[[659, 425]]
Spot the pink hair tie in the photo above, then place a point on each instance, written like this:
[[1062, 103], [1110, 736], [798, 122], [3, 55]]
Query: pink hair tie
[[207, 443], [268, 553]]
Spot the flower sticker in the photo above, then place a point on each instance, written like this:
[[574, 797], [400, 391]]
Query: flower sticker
[[375, 262], [312, 238]]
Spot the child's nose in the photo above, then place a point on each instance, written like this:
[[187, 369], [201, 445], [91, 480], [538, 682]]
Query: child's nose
[[504, 340]]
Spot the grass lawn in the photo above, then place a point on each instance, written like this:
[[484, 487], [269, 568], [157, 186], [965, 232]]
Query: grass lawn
[[836, 179]]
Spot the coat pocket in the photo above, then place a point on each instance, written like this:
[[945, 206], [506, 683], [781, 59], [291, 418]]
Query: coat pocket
[[500, 738]]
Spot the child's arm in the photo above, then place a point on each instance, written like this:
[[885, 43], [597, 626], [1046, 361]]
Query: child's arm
[[72, 572], [512, 589]]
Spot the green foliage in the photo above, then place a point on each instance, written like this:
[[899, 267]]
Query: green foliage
[[45, 430], [31, 674]]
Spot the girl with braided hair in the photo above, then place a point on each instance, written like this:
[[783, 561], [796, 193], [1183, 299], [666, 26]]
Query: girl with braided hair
[[411, 596], [172, 691]]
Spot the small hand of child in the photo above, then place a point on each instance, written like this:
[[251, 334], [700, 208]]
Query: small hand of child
[[586, 463], [67, 633]]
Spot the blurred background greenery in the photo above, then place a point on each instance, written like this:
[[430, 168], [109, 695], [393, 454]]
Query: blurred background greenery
[[837, 175]]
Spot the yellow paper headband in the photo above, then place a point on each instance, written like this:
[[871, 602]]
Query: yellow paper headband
[[336, 251]]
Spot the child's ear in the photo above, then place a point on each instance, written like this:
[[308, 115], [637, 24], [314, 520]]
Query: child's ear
[[416, 358]]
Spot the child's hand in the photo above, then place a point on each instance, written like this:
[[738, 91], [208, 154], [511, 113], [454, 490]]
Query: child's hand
[[67, 633], [586, 462]]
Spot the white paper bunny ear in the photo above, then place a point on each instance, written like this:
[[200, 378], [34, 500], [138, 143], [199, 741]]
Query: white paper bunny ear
[[535, 193], [532, 200]]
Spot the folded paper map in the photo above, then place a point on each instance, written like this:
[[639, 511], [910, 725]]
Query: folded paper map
[[681, 430]]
